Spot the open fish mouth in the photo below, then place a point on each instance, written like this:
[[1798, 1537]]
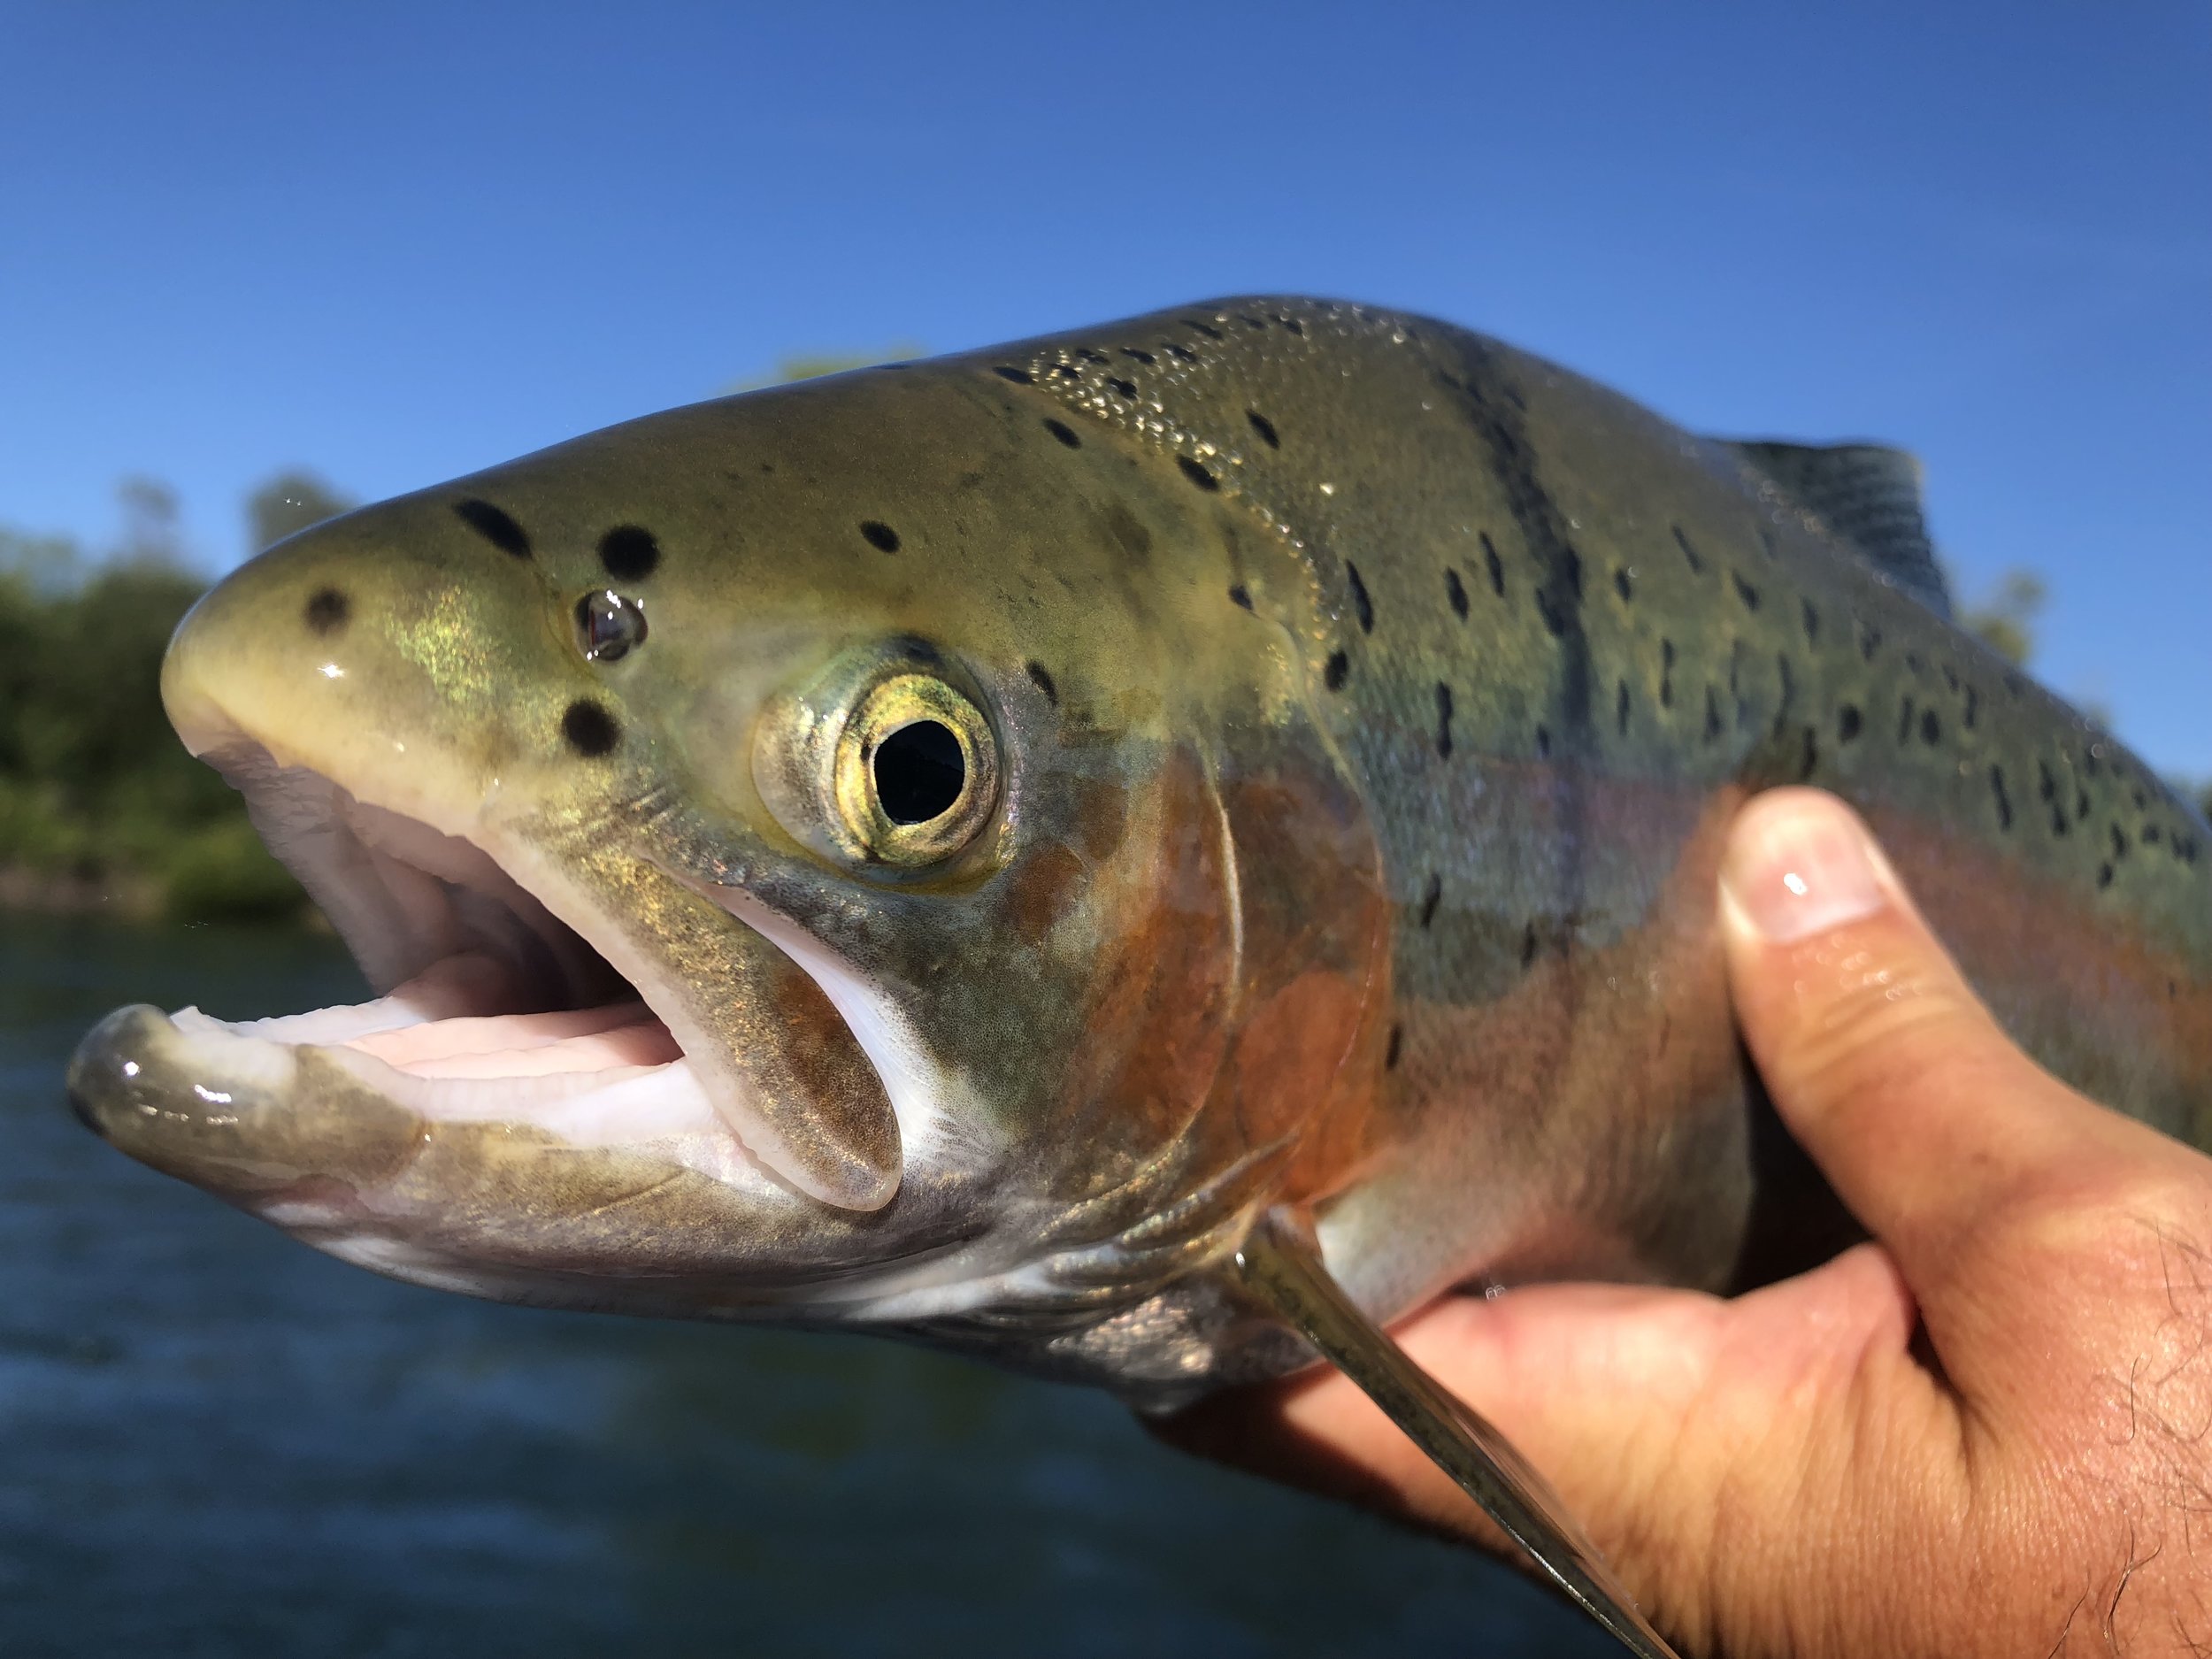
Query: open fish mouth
[[491, 1011]]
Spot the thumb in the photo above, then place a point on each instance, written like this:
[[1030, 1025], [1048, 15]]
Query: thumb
[[1880, 1057]]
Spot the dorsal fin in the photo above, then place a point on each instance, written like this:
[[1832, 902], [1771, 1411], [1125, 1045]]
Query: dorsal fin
[[1865, 492]]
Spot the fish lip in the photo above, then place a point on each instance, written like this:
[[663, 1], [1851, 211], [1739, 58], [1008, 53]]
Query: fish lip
[[443, 928]]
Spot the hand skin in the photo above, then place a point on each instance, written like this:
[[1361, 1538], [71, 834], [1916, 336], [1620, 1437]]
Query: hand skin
[[1985, 1432]]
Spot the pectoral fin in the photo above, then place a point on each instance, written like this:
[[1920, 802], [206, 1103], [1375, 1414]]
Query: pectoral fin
[[1280, 1265]]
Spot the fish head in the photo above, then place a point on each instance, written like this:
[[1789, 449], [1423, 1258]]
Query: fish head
[[838, 853]]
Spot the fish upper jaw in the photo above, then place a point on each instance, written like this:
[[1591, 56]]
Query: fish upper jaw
[[411, 759]]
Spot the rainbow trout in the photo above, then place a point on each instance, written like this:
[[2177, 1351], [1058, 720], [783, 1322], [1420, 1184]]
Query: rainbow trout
[[1132, 853]]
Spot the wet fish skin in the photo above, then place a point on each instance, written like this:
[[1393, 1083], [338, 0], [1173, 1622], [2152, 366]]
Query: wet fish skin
[[1372, 700]]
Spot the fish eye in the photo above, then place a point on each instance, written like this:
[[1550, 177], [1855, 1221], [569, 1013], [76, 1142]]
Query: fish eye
[[915, 773], [609, 626]]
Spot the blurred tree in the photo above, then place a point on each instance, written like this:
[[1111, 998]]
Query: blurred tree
[[2006, 620], [149, 523], [808, 365], [288, 503], [95, 793]]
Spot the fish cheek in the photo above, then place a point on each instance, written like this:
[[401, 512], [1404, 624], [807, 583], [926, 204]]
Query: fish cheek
[[1314, 994], [1157, 1014]]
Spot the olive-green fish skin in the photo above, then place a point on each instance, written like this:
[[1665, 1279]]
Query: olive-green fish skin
[[1369, 700]]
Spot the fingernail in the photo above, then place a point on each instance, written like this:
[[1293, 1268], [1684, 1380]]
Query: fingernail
[[1798, 864]]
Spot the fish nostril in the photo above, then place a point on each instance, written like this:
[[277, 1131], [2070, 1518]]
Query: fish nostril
[[328, 611]]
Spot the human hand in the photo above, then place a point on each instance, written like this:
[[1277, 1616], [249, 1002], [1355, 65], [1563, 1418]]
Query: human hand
[[1987, 1432]]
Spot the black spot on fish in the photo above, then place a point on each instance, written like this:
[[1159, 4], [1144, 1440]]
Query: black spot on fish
[[2119, 842], [1196, 473], [1973, 707], [1136, 356], [589, 728], [2081, 803], [1745, 591], [1334, 672], [881, 536], [1624, 585], [1528, 944], [1697, 563], [2104, 875], [1443, 720], [1092, 354], [494, 526], [1543, 742], [1620, 707], [1455, 591], [1066, 372], [1238, 596], [1128, 531], [1265, 427], [1291, 323], [1007, 372], [2150, 835], [1712, 715], [1913, 664], [628, 553], [1042, 677], [1847, 723], [328, 610], [1904, 721], [1207, 329], [1061, 430], [1127, 388], [1496, 413], [1812, 624], [1931, 728], [1788, 679], [1431, 897], [1666, 673], [1180, 353], [1363, 607], [1494, 565], [2142, 800], [1809, 756], [2046, 786], [2004, 801], [1870, 642], [1396, 1046]]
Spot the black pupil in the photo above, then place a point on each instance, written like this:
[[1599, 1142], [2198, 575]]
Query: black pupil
[[919, 772], [611, 625]]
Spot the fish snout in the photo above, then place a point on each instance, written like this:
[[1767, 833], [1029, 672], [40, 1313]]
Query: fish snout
[[371, 648], [230, 1114]]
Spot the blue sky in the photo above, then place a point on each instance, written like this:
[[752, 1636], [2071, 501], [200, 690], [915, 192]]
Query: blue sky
[[398, 242]]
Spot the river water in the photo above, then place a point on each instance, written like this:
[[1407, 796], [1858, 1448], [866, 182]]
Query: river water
[[215, 1441]]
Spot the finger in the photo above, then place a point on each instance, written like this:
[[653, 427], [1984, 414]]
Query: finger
[[1926, 1119], [1632, 1402]]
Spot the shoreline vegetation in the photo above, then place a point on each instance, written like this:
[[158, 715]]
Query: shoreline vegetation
[[102, 811]]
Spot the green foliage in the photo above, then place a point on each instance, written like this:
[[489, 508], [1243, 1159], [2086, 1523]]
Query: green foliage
[[2006, 619], [288, 505], [808, 365], [96, 792]]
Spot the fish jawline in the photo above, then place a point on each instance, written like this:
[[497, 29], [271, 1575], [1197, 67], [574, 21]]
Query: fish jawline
[[492, 1009]]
